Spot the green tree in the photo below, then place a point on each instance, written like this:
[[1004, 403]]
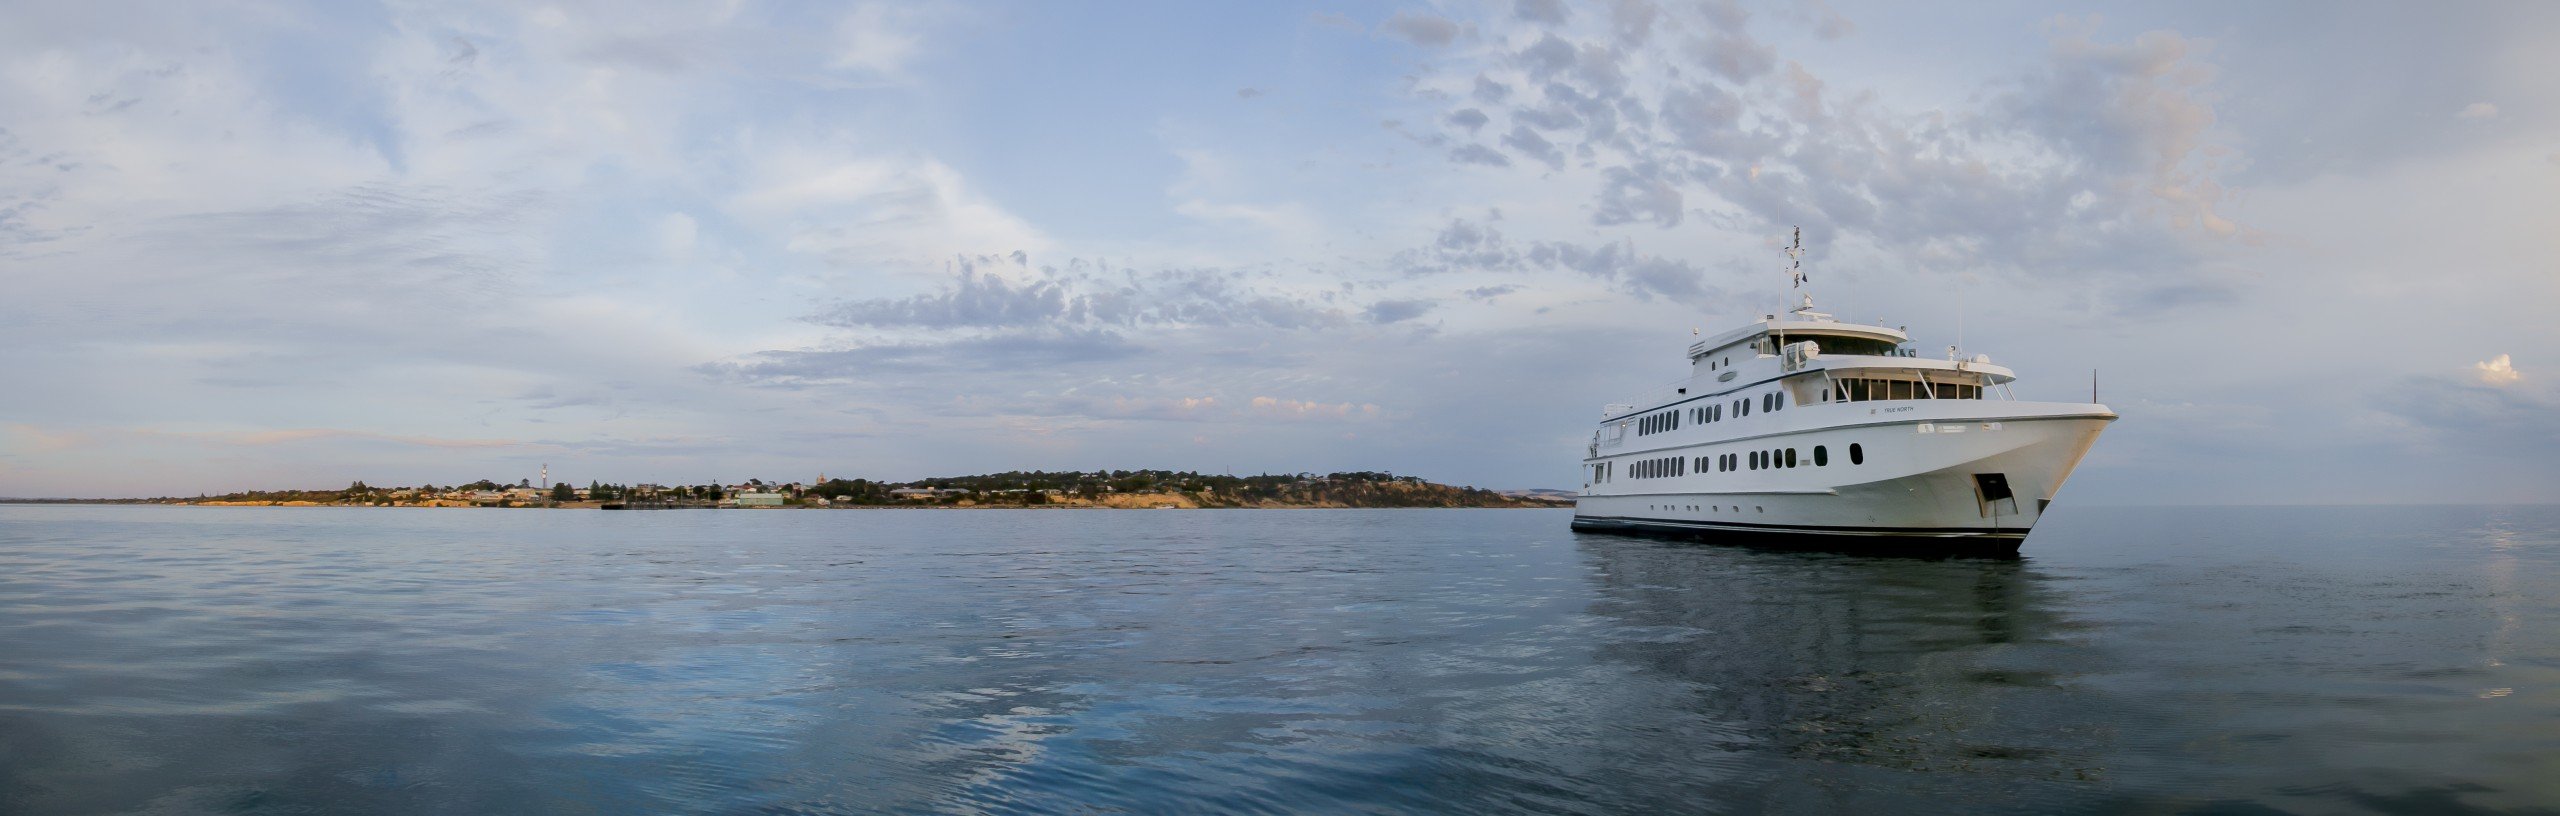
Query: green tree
[[563, 492]]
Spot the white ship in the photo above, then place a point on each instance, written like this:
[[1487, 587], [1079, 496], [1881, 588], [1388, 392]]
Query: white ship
[[1807, 430]]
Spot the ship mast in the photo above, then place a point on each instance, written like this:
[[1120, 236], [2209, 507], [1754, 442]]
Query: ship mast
[[1795, 271], [1795, 280]]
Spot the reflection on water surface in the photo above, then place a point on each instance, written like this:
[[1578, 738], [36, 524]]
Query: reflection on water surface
[[271, 660]]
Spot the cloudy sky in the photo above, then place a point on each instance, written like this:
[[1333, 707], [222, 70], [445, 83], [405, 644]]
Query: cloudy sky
[[2310, 247]]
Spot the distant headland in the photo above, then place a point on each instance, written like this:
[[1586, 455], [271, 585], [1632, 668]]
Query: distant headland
[[1119, 489]]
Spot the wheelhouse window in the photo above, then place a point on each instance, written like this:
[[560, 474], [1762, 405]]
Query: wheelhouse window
[[1863, 389], [1856, 345]]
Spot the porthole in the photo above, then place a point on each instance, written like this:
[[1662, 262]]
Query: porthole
[[1821, 457], [1791, 457], [1857, 456]]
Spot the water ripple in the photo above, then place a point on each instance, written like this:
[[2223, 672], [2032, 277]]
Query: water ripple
[[274, 660]]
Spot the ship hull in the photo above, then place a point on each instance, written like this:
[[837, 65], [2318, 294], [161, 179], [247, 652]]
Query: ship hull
[[1873, 540], [1925, 486]]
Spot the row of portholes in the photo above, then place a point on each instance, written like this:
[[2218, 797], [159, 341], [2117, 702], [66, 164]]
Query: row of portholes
[[1726, 462], [1659, 468], [1702, 414], [1774, 458], [1712, 508], [1658, 423]]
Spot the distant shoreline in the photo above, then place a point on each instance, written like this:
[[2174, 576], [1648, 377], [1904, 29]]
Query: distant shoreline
[[1531, 504], [1118, 489], [1012, 489]]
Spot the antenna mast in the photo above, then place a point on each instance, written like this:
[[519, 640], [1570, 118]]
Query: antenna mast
[[1795, 261], [1795, 280]]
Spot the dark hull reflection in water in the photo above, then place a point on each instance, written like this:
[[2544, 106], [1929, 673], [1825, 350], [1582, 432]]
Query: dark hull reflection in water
[[1833, 680], [320, 660]]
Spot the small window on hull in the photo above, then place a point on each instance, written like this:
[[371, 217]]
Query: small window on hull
[[1857, 455]]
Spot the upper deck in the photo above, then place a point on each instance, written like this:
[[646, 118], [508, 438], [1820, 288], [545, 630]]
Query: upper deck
[[1845, 358]]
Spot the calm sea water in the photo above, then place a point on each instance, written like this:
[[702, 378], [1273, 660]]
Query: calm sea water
[[310, 660]]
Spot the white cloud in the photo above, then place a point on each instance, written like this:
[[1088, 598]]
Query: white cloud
[[2478, 110], [2496, 371], [877, 40], [2105, 155], [1209, 188], [1284, 219], [853, 209]]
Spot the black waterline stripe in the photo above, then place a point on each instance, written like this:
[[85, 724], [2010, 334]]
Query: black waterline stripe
[[1803, 528]]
